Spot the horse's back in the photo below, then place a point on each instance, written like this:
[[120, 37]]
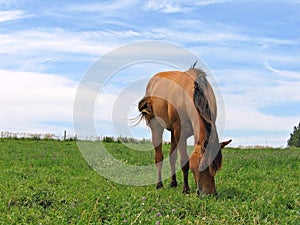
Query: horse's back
[[166, 81], [171, 96]]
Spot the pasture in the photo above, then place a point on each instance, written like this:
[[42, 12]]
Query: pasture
[[48, 182]]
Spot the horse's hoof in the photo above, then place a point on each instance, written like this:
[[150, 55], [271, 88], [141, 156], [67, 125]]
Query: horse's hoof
[[159, 185], [186, 190], [173, 184]]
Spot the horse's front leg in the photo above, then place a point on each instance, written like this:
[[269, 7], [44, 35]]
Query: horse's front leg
[[197, 154], [157, 131], [194, 165]]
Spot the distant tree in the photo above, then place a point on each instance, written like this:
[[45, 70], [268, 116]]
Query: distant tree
[[294, 140], [108, 139]]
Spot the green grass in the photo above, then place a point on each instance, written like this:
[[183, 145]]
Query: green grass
[[48, 182]]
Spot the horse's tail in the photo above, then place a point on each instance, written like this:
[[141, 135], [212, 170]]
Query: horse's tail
[[212, 142], [145, 107]]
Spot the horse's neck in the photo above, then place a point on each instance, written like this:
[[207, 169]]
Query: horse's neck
[[214, 138]]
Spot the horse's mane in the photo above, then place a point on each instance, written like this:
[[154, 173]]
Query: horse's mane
[[200, 99], [202, 105], [198, 71]]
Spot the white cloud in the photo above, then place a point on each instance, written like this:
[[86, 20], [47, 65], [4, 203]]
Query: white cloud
[[210, 2], [164, 6], [244, 119], [59, 44], [245, 93], [285, 73], [171, 6], [257, 88], [214, 34], [12, 15], [29, 101], [103, 7], [57, 40], [33, 50], [55, 44], [247, 126]]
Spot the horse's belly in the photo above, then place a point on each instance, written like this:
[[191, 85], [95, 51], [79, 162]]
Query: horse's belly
[[185, 127]]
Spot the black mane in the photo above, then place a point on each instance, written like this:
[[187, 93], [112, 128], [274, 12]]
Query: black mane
[[199, 71]]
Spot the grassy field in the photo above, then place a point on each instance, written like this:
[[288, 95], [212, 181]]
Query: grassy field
[[48, 182]]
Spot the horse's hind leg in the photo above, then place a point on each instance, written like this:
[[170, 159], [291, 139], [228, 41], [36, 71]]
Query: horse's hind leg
[[184, 158], [194, 165], [173, 159], [157, 132], [184, 165]]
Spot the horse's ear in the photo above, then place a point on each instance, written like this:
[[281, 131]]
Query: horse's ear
[[224, 143]]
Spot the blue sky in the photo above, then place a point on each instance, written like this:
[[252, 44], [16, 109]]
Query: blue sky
[[251, 47]]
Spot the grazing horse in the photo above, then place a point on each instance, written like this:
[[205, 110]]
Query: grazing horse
[[184, 103]]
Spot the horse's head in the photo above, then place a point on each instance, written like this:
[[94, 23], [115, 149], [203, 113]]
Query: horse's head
[[207, 176]]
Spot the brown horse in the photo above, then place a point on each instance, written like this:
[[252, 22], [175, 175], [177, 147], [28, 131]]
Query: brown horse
[[184, 103]]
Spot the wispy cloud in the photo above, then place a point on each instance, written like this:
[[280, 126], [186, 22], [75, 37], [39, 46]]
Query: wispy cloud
[[12, 15], [165, 6], [209, 2], [31, 50], [51, 40], [169, 6], [103, 6], [254, 88], [285, 73]]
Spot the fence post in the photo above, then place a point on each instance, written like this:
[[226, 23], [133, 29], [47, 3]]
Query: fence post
[[65, 135]]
